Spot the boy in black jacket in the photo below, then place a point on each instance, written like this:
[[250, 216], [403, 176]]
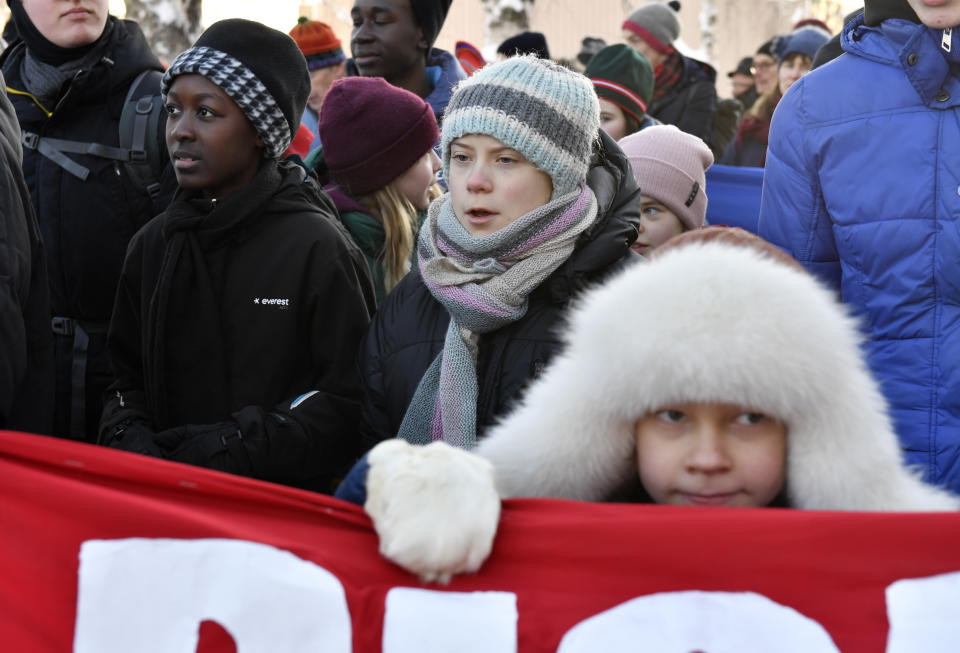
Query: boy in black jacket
[[26, 362], [68, 76], [240, 308]]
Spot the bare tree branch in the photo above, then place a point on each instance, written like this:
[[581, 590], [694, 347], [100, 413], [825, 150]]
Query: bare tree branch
[[504, 18], [169, 25]]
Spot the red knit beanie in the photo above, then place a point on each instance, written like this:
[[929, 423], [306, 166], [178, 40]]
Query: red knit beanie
[[372, 132], [319, 44]]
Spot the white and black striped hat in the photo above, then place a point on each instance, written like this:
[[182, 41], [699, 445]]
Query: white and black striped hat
[[260, 68]]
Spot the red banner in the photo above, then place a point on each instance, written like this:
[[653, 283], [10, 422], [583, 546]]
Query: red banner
[[106, 551]]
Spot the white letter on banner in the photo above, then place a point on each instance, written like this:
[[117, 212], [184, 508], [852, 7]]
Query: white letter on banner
[[699, 621], [924, 614], [150, 595], [429, 621]]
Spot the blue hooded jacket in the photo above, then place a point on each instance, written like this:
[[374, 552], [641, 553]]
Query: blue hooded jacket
[[445, 72], [862, 186]]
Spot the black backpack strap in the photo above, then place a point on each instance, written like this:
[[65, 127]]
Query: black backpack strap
[[139, 148], [51, 147], [42, 145], [80, 334], [140, 126]]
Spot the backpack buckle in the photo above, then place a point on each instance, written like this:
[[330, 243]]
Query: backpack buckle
[[144, 105], [62, 326], [29, 140]]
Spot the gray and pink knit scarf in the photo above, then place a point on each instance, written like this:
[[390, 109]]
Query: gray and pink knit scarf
[[483, 282]]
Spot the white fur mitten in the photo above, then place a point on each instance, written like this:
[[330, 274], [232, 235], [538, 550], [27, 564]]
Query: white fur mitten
[[435, 507]]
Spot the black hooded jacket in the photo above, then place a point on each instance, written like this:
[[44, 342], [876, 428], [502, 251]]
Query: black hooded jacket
[[691, 104], [408, 330], [235, 333], [86, 224], [26, 359]]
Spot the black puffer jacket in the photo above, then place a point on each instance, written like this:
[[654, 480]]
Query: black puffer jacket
[[26, 358], [408, 331], [86, 224], [691, 104]]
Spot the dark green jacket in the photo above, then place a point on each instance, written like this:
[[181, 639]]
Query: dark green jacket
[[368, 234]]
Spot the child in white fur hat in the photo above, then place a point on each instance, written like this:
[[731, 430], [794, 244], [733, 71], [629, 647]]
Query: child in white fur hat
[[670, 166], [738, 381]]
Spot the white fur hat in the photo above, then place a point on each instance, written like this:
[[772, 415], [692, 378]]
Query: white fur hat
[[710, 321]]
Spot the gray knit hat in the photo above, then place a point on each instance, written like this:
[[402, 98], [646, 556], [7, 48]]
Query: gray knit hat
[[544, 111], [657, 24], [669, 166], [260, 68]]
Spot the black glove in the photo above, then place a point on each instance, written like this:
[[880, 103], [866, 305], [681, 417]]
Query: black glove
[[215, 446], [170, 439], [136, 438]]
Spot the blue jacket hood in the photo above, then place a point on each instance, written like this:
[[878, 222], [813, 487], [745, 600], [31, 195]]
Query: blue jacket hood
[[445, 72]]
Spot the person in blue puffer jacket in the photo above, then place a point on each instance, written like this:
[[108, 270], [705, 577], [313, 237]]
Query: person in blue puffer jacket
[[862, 186]]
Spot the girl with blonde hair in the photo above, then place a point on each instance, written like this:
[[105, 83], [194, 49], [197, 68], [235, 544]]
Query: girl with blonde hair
[[378, 151]]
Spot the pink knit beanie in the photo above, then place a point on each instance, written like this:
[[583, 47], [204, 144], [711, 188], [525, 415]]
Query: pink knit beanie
[[669, 166]]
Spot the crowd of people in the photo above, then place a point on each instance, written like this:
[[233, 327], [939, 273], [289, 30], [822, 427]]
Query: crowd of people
[[340, 261]]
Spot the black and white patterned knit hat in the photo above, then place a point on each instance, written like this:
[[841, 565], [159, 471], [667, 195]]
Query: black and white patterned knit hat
[[260, 68]]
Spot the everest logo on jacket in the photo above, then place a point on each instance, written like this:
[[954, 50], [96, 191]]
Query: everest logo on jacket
[[282, 302]]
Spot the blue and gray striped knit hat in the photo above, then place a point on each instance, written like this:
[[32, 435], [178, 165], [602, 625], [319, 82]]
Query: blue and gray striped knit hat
[[544, 111]]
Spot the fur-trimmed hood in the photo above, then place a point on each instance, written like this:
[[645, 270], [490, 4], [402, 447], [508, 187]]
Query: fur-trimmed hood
[[709, 322]]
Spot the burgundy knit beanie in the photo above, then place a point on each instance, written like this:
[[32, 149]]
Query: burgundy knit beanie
[[670, 166], [372, 132]]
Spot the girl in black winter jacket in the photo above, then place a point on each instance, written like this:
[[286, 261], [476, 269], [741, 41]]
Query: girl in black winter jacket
[[241, 307], [539, 207]]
